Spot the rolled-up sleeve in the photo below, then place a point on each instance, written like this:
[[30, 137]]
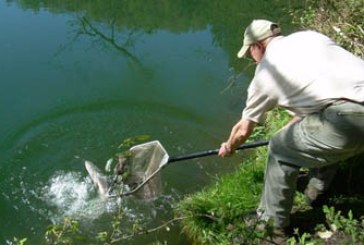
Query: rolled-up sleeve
[[257, 105]]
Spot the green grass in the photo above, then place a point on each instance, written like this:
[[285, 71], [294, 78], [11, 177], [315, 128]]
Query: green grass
[[210, 213]]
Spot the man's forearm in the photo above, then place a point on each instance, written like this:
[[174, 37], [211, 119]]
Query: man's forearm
[[239, 134]]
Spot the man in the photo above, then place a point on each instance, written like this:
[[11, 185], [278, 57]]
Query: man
[[322, 85]]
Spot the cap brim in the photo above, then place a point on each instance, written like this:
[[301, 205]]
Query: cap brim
[[243, 51]]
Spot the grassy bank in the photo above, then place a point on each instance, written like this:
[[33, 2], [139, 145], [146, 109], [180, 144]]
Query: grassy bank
[[216, 215]]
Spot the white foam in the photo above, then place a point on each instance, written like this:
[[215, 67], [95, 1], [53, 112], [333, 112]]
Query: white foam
[[71, 194]]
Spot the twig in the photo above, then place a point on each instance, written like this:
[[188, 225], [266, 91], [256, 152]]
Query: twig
[[144, 232]]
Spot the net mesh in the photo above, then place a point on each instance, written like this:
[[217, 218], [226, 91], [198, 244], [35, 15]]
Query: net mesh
[[145, 160]]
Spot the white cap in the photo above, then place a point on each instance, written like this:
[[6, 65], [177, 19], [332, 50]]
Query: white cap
[[257, 31]]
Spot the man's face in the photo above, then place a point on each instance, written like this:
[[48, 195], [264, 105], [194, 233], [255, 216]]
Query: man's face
[[257, 51]]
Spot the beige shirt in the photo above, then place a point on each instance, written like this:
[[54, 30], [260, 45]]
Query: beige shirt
[[303, 72]]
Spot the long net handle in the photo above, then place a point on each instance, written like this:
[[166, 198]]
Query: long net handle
[[216, 151]]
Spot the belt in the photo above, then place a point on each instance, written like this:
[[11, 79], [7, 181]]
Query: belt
[[342, 101]]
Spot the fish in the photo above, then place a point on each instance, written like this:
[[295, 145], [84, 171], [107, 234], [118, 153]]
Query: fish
[[98, 178], [107, 187]]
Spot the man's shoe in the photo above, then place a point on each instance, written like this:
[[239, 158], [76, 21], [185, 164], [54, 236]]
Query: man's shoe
[[255, 222]]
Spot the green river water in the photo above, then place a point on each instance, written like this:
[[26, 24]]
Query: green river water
[[79, 77]]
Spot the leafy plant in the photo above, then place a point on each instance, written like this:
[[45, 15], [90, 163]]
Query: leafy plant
[[17, 241], [304, 239], [351, 227], [127, 143], [66, 233]]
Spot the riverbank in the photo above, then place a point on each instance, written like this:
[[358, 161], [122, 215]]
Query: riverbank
[[216, 215]]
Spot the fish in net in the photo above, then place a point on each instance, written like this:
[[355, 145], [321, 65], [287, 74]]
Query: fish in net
[[139, 164]]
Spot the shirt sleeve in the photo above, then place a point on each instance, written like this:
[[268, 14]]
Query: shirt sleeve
[[257, 105]]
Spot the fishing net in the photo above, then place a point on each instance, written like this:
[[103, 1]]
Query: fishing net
[[145, 161]]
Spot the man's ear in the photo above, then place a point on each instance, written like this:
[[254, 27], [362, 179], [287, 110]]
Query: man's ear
[[260, 45]]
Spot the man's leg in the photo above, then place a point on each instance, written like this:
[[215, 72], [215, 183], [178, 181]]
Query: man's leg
[[319, 181], [318, 141], [279, 188]]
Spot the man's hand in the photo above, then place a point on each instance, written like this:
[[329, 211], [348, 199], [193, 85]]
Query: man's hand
[[239, 134], [225, 150], [294, 120]]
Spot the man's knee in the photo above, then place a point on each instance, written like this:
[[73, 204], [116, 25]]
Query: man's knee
[[277, 143]]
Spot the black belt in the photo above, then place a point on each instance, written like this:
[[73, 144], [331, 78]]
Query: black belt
[[342, 101]]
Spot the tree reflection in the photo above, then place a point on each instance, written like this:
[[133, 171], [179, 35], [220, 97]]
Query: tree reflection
[[90, 29], [225, 19]]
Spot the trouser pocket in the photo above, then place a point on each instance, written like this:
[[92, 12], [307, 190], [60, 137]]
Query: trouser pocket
[[348, 118]]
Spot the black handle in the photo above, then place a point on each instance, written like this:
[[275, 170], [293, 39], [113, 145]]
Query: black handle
[[216, 151]]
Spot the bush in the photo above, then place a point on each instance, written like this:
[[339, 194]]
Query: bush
[[341, 20]]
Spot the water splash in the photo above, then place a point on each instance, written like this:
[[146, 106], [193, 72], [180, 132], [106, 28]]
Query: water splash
[[71, 194]]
